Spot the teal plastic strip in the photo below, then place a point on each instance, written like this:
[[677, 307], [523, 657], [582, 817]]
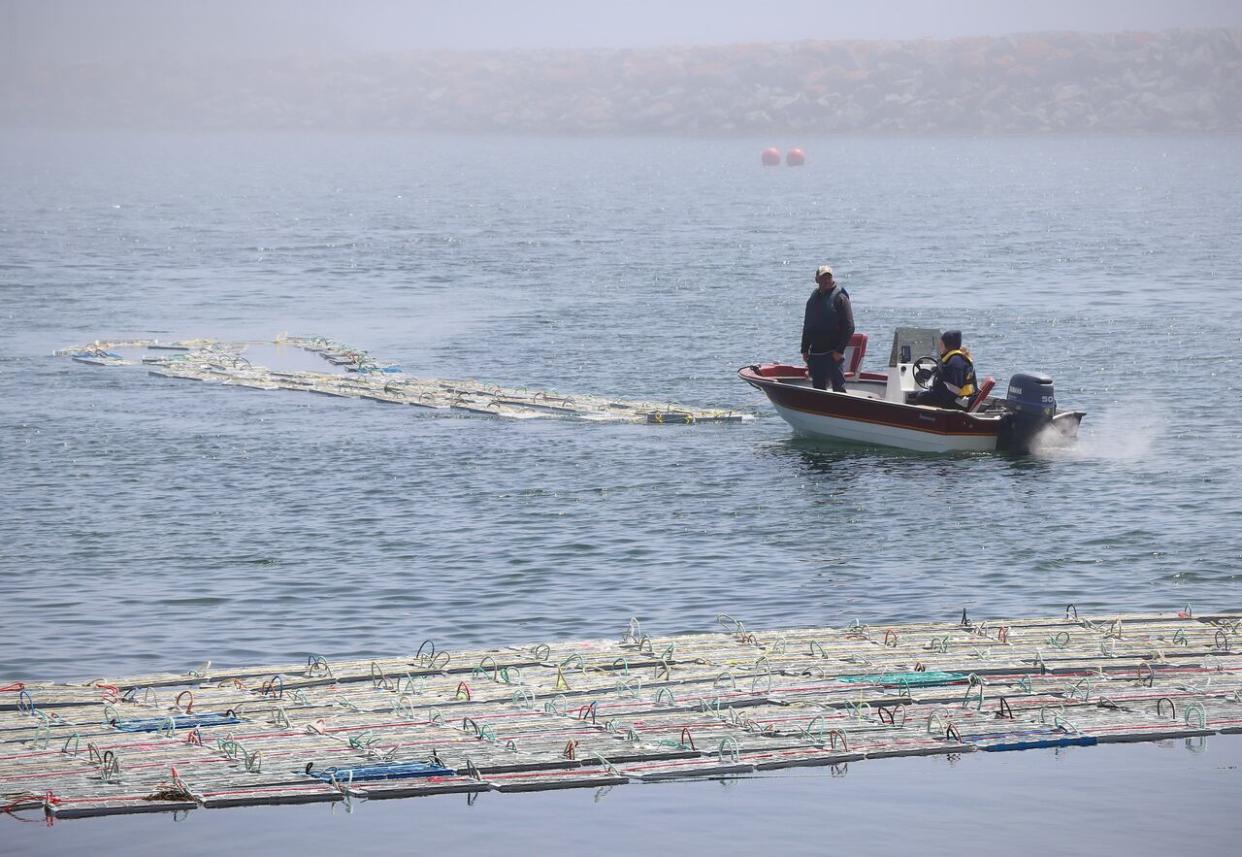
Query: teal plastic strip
[[915, 679]]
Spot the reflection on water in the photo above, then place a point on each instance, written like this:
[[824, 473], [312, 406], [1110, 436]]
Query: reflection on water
[[845, 461], [993, 803]]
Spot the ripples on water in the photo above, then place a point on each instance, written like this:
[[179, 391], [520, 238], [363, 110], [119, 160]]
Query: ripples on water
[[154, 524]]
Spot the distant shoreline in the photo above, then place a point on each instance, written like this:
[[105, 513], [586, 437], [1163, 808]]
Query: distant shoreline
[[1187, 81]]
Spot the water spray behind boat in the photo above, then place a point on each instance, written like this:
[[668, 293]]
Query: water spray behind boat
[[1126, 432]]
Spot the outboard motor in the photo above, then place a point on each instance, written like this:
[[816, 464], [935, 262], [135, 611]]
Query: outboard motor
[[1030, 405]]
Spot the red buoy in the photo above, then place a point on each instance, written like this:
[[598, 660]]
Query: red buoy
[[771, 157], [795, 158]]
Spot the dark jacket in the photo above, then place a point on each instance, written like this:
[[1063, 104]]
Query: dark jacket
[[828, 322], [956, 368]]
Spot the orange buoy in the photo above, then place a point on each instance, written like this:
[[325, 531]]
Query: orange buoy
[[771, 157], [795, 158]]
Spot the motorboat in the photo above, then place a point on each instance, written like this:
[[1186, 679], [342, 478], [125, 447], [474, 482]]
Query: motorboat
[[878, 408]]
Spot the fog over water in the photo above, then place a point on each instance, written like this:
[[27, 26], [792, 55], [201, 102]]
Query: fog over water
[[693, 70], [55, 31]]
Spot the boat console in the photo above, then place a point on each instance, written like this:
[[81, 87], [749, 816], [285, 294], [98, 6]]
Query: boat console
[[909, 344]]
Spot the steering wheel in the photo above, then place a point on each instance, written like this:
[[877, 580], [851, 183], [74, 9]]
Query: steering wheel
[[925, 371]]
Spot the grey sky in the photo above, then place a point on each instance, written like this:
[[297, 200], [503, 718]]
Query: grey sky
[[41, 31]]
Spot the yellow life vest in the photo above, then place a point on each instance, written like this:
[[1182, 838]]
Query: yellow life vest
[[968, 388]]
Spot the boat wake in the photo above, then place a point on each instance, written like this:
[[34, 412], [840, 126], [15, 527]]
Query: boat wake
[[1127, 432], [357, 375]]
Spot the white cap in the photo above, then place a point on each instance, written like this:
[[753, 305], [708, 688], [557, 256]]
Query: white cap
[[821, 270]]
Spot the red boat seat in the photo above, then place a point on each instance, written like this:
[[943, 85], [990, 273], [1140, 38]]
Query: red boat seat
[[984, 388], [854, 352], [851, 359], [779, 370]]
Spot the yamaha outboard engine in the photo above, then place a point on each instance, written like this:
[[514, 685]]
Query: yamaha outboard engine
[[1030, 404]]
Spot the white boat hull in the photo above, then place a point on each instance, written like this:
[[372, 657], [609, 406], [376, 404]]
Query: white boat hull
[[858, 431]]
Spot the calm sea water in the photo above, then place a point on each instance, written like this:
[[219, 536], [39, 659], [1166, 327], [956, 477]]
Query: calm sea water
[[154, 524]]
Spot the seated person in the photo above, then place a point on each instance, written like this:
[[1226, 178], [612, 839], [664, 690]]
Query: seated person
[[955, 377]]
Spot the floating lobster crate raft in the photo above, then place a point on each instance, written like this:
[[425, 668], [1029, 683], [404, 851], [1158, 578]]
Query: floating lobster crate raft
[[605, 712], [354, 374]]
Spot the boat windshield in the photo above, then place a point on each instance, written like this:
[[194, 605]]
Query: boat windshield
[[911, 343]]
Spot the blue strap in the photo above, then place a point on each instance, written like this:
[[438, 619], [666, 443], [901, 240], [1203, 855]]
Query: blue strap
[[181, 721], [383, 771]]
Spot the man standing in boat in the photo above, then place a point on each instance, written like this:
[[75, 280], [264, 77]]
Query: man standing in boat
[[826, 330], [955, 376]]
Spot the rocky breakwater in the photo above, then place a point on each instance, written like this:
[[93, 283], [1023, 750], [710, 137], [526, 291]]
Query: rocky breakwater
[[1184, 80]]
